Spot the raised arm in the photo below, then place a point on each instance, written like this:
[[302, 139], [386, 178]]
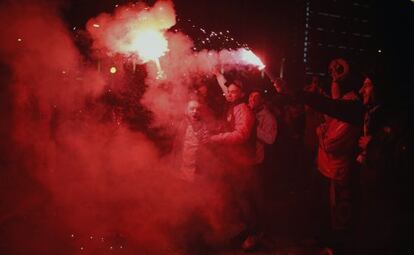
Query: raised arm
[[222, 82]]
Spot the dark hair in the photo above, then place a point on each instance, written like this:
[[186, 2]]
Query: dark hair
[[376, 77], [236, 83], [256, 90]]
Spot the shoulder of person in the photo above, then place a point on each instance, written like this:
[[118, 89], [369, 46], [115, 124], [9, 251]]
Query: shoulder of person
[[241, 107], [264, 111]]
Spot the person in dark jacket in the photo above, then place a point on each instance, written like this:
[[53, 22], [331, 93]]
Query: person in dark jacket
[[237, 142]]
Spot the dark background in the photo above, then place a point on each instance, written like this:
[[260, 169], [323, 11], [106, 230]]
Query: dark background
[[276, 30]]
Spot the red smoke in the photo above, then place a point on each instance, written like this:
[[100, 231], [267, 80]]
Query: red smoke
[[81, 176], [165, 97]]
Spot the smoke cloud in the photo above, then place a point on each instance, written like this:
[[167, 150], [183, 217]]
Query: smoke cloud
[[119, 33], [80, 183]]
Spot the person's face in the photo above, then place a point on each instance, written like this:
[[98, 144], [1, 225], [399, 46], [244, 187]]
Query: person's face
[[194, 110], [255, 100], [234, 93], [367, 91]]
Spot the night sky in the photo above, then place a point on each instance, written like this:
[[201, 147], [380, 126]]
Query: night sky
[[270, 27]]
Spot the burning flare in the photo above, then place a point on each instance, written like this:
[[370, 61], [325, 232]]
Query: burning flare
[[150, 45], [249, 57], [135, 30]]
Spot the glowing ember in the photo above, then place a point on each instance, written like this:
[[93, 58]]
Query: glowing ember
[[250, 58]]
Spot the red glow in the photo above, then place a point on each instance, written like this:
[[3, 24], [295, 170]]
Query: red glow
[[97, 177], [135, 30]]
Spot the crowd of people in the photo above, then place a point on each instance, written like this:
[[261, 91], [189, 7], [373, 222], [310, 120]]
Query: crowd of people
[[349, 144]]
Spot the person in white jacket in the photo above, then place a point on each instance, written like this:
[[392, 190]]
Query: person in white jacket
[[266, 125]]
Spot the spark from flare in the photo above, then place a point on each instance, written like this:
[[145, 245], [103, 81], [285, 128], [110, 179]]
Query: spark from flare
[[112, 70]]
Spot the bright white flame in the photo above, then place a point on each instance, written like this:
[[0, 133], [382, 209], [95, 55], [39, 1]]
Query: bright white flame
[[250, 58], [149, 44]]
